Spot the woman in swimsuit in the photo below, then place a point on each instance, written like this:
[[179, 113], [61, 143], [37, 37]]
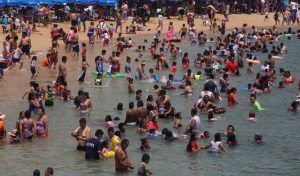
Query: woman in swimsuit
[[42, 124], [27, 126], [288, 78]]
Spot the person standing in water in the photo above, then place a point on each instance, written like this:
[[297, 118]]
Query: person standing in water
[[122, 163], [27, 126], [86, 104], [26, 44], [42, 124], [82, 134], [94, 146], [62, 71]]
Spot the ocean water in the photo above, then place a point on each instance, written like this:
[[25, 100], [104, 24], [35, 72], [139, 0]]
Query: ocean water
[[278, 155]]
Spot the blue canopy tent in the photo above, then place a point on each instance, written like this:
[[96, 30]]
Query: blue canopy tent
[[2, 3], [13, 2], [48, 2], [108, 2], [85, 2], [29, 2]]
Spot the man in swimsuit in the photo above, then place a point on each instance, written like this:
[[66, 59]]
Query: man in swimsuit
[[73, 17], [82, 134], [131, 114], [121, 159], [26, 44], [62, 71], [141, 111]]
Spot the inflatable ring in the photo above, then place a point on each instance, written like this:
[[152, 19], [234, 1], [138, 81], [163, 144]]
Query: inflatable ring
[[109, 154]]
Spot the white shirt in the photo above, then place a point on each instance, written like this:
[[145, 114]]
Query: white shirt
[[160, 18], [215, 146], [294, 5], [197, 119]]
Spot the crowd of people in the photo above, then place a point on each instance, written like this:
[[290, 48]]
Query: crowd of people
[[231, 52]]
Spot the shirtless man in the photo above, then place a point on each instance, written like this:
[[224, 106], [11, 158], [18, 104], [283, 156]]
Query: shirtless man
[[62, 70], [115, 61], [73, 18], [121, 159], [53, 51], [131, 114], [82, 134], [162, 99], [141, 111], [86, 104], [26, 44]]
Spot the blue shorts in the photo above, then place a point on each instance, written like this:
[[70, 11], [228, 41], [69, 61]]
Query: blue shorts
[[1, 71], [33, 70]]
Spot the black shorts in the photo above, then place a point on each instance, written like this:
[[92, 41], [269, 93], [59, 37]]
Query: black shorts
[[76, 47], [26, 49], [73, 22], [81, 148], [14, 60], [60, 80], [183, 34]]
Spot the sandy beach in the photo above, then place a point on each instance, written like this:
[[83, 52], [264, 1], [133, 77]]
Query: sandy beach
[[16, 82]]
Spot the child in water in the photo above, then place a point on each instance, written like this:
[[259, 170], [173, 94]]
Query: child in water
[[144, 145], [258, 138], [177, 120], [98, 80], [216, 145], [143, 168], [173, 67], [251, 116], [130, 86]]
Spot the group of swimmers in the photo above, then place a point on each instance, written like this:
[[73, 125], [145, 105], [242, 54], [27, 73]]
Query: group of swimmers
[[227, 59]]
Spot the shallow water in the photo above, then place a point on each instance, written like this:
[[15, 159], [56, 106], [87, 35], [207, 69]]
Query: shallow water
[[278, 155]]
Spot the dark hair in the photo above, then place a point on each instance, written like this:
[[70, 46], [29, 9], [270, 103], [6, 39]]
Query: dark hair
[[80, 92], [121, 127], [118, 133], [217, 137], [131, 105], [104, 143], [99, 133], [27, 114], [140, 103], [124, 141], [36, 172], [64, 59], [145, 158], [82, 120], [120, 106], [110, 129], [49, 170], [194, 111], [231, 139]]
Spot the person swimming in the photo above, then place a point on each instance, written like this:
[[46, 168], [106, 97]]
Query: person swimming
[[251, 116]]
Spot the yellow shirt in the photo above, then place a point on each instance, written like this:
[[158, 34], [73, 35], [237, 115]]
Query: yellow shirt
[[115, 141]]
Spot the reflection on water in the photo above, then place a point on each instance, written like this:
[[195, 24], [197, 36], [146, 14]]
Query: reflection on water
[[279, 155]]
